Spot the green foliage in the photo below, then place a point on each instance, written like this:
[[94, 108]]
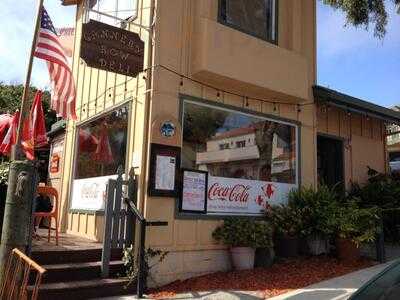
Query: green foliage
[[316, 207], [357, 224], [131, 262], [286, 219], [244, 232], [10, 101], [4, 169], [381, 190], [365, 12]]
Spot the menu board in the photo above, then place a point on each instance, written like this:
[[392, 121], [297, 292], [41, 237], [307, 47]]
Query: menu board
[[194, 191], [164, 170]]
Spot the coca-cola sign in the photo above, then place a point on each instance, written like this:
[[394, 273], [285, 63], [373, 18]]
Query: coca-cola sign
[[90, 193], [243, 196]]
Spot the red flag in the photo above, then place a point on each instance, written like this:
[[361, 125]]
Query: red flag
[[11, 135], [5, 123], [103, 151], [34, 129]]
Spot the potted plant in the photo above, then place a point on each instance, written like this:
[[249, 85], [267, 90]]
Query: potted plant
[[287, 223], [316, 207], [354, 226], [243, 236]]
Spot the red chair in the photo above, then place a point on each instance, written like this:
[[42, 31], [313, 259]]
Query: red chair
[[51, 193]]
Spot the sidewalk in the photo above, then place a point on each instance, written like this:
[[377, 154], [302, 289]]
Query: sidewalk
[[339, 288]]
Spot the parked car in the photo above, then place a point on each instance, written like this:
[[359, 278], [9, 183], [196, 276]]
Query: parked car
[[383, 286]]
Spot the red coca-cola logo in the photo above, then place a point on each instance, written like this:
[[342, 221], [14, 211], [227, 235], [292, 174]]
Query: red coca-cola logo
[[235, 193]]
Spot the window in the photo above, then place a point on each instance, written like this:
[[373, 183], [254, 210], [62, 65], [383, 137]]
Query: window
[[224, 146], [255, 17], [101, 145], [270, 157], [112, 10], [241, 144]]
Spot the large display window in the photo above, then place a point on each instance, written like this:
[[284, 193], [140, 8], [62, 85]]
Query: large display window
[[100, 150], [251, 160]]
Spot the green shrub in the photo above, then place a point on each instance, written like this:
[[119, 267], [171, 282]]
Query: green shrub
[[244, 232], [315, 207], [286, 219], [4, 169], [357, 224], [131, 262]]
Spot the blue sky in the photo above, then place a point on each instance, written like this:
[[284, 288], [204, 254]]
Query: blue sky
[[350, 60]]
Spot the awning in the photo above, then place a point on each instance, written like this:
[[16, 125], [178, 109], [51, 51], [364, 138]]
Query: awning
[[352, 104]]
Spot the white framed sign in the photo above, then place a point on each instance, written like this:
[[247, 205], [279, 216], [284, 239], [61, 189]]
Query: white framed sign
[[234, 196], [90, 193], [194, 191]]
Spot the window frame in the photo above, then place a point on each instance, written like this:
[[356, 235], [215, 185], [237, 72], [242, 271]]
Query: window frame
[[210, 103], [222, 20], [74, 165], [88, 10]]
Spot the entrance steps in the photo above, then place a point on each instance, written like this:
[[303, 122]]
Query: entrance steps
[[76, 274]]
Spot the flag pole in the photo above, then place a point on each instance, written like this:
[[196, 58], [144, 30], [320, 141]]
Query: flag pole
[[17, 154]]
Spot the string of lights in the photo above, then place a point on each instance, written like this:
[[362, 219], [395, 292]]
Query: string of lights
[[218, 90]]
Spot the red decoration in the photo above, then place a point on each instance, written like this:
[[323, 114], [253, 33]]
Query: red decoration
[[103, 152], [34, 130], [55, 163], [268, 190]]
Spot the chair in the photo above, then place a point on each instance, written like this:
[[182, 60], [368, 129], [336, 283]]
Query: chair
[[50, 192]]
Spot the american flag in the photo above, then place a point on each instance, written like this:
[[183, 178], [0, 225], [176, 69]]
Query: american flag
[[63, 86]]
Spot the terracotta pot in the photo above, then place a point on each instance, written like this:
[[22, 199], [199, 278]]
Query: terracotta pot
[[242, 258], [317, 245], [288, 246], [347, 250]]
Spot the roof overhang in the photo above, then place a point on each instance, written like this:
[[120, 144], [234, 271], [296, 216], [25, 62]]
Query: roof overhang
[[57, 128], [355, 105]]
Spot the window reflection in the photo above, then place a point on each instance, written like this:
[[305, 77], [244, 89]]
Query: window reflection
[[232, 144], [102, 145]]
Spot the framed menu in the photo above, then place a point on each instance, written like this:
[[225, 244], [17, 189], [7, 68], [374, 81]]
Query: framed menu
[[164, 166], [193, 198]]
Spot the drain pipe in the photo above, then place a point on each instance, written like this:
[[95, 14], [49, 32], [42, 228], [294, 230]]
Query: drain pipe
[[147, 108]]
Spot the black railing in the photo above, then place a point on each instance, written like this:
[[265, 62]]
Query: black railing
[[142, 272]]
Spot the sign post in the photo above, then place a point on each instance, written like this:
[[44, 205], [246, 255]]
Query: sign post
[[22, 180]]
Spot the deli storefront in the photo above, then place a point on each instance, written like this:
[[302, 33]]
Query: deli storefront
[[211, 128]]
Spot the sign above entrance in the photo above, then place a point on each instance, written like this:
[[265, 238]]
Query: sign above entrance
[[112, 49]]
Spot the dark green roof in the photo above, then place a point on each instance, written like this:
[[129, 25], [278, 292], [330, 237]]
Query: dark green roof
[[323, 94]]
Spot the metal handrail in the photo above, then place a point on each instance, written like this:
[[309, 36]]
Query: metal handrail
[[141, 276]]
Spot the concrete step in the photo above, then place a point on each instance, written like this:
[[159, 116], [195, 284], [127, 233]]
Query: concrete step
[[72, 256], [84, 289], [80, 271]]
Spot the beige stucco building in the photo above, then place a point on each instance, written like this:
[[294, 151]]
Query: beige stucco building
[[208, 69]]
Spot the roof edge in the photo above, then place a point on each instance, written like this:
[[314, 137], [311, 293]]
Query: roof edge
[[323, 94]]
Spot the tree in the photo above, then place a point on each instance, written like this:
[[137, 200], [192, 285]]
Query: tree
[[10, 101], [365, 12]]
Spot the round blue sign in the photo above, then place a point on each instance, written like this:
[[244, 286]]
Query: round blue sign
[[168, 129]]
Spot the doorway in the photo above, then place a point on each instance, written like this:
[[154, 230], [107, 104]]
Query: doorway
[[330, 161]]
